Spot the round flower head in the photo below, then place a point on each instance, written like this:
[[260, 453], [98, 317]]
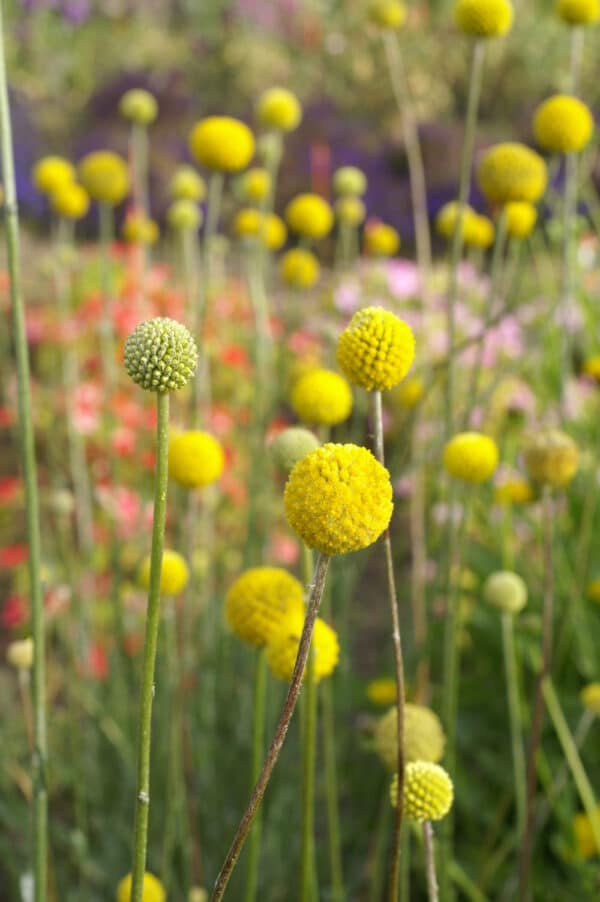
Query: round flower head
[[505, 590], [184, 215], [187, 184], [139, 229], [222, 143], [251, 223], [590, 697], [376, 349], [585, 838], [578, 12], [196, 459], [138, 106], [160, 355], [282, 650], [471, 456], [483, 232], [299, 268], [321, 397], [255, 185], [521, 218], [338, 499], [350, 210], [387, 13], [50, 173], [551, 458], [152, 891], [290, 446], [381, 240], [279, 110], [382, 691], [309, 215], [563, 124], [259, 600], [174, 575], [483, 18], [512, 171], [349, 181], [513, 491], [428, 791], [19, 654], [424, 738], [104, 176], [70, 200], [410, 392], [197, 894], [446, 221]]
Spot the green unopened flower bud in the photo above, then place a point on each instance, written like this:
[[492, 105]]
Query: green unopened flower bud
[[349, 181], [160, 355], [290, 446], [505, 590], [187, 184], [184, 215], [138, 106]]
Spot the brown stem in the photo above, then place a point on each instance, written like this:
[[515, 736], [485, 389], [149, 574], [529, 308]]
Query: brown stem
[[432, 884]]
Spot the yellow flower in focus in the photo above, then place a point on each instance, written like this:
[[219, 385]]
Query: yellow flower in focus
[[409, 393], [578, 12], [152, 891], [51, 172], [381, 240], [338, 499], [382, 691], [138, 106], [521, 218], [279, 110], [471, 456], [483, 18], [590, 697], [350, 210], [428, 791], [321, 397], [139, 229], [174, 574], [584, 835], [104, 176], [349, 181], [70, 200], [551, 458], [514, 491], [309, 215], [512, 172], [424, 738], [563, 124], [222, 143], [299, 268], [258, 602], [387, 13], [187, 184], [255, 184], [196, 459], [19, 654], [376, 349], [282, 650], [184, 215]]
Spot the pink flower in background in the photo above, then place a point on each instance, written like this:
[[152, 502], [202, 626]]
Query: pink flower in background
[[347, 297], [284, 549], [404, 280], [123, 441], [122, 505], [98, 661], [576, 394], [86, 407]]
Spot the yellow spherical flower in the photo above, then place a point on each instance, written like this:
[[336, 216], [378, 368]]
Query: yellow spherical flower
[[424, 738], [446, 221], [521, 218], [279, 110], [350, 210], [483, 18], [138, 106], [321, 397], [471, 456], [382, 691], [152, 891], [512, 171], [105, 177], [381, 240], [578, 12], [222, 143], [255, 184], [514, 491], [184, 215], [387, 13], [376, 349], [258, 602], [139, 229], [187, 184], [428, 791], [174, 574], [585, 839], [309, 215], [195, 459], [19, 654], [299, 268], [282, 649], [51, 172], [70, 200], [551, 458], [563, 124], [590, 697], [349, 181], [274, 232], [338, 499], [410, 392], [506, 591], [482, 233], [591, 367], [251, 223]]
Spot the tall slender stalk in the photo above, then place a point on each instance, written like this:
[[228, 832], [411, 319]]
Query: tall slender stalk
[[139, 153], [150, 644], [417, 571], [432, 884], [107, 234], [258, 744], [569, 264], [575, 57], [331, 794], [514, 714], [308, 781], [39, 761]]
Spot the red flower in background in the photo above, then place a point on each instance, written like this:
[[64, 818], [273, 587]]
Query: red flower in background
[[235, 356], [13, 555], [98, 661], [14, 612], [10, 488]]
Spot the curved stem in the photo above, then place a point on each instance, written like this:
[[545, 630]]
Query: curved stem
[[514, 712], [258, 743], [432, 884]]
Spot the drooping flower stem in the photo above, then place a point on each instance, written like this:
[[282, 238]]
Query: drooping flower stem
[[40, 746], [258, 750], [150, 644], [515, 720], [107, 234], [281, 729], [432, 884], [399, 664]]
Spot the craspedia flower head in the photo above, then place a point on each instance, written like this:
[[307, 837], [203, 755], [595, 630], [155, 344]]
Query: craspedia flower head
[[551, 458], [196, 459], [590, 697], [471, 456], [187, 184], [578, 12], [19, 654], [138, 106], [321, 397], [424, 738], [51, 172], [184, 215], [563, 124], [483, 18], [174, 575], [252, 223], [482, 232], [140, 229], [428, 791], [222, 143], [446, 221], [382, 691], [299, 268], [279, 110], [381, 240], [514, 491], [255, 184], [511, 171], [338, 499], [274, 232], [104, 176], [376, 349], [290, 446], [152, 890], [521, 218], [282, 650], [70, 200], [505, 590], [259, 600], [350, 210], [309, 215], [349, 181], [160, 355], [387, 13]]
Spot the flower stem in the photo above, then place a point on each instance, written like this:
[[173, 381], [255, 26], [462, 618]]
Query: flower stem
[[514, 713], [432, 884], [258, 743], [107, 230], [569, 263], [331, 793], [139, 154], [308, 781], [417, 578], [280, 732], [150, 643], [40, 745], [575, 57]]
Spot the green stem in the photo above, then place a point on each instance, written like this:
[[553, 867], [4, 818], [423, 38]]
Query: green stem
[[331, 793], [150, 643], [40, 744], [514, 713], [432, 884], [258, 746], [107, 231], [560, 777], [569, 264], [308, 781], [575, 57], [377, 873], [139, 149]]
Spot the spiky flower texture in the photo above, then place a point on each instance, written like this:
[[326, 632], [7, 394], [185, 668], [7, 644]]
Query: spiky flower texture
[[160, 355], [259, 600], [376, 349], [483, 18], [428, 791]]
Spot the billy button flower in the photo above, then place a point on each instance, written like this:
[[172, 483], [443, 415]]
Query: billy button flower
[[387, 13], [187, 184], [104, 176], [196, 459], [482, 234], [184, 215], [19, 654], [446, 221], [255, 185], [138, 106], [471, 457], [51, 172], [428, 791], [551, 458], [174, 575], [382, 691], [152, 889], [290, 446], [279, 110], [563, 124], [506, 591], [252, 223], [521, 218], [349, 181], [512, 172], [483, 18], [309, 216], [376, 349], [381, 240], [321, 397], [299, 268], [424, 738], [282, 649], [70, 200], [350, 210], [591, 367], [578, 12], [258, 602], [140, 229], [222, 143]]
